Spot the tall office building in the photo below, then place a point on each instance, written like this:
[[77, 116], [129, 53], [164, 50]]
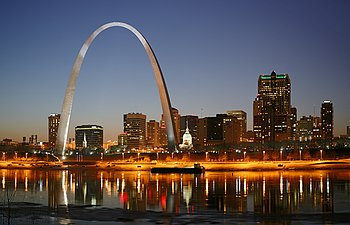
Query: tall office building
[[89, 136], [272, 109], [327, 120], [163, 135], [135, 128], [192, 122], [242, 119], [220, 130], [53, 122], [152, 134]]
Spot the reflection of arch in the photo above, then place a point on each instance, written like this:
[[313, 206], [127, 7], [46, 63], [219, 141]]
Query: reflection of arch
[[68, 99]]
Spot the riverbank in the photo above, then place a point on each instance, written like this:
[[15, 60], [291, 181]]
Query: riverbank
[[209, 166]]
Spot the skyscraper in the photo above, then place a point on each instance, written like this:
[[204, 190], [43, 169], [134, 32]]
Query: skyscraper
[[272, 109], [152, 134], [53, 122], [327, 120], [135, 128], [89, 136], [242, 119]]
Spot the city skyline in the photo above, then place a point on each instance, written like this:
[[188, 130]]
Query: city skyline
[[211, 55]]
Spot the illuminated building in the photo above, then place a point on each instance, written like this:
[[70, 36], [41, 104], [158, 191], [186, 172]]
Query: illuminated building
[[135, 128], [272, 109], [122, 140], [186, 140], [192, 123], [163, 135], [89, 136], [242, 120], [293, 122], [152, 134], [308, 128], [220, 130], [327, 120], [54, 121]]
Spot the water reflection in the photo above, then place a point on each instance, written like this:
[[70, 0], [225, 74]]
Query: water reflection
[[229, 193]]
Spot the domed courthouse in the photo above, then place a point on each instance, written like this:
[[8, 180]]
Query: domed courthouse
[[186, 140]]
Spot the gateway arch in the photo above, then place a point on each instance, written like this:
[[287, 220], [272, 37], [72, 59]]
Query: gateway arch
[[68, 99]]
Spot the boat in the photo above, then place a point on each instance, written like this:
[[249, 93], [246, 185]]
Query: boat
[[196, 169]]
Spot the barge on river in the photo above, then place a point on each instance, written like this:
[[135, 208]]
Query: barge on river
[[196, 169]]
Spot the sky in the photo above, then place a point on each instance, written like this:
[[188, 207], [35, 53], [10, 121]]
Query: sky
[[211, 54]]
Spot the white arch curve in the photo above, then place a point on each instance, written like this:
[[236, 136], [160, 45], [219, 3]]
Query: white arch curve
[[68, 99]]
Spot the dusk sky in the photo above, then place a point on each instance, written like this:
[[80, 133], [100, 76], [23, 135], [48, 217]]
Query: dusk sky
[[211, 54]]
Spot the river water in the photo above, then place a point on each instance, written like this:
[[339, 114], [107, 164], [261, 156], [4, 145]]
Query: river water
[[291, 197]]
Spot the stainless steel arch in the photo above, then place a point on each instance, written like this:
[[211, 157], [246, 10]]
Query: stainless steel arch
[[68, 99]]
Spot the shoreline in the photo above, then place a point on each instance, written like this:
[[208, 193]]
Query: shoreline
[[209, 166]]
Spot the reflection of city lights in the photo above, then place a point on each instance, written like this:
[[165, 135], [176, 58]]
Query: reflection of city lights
[[238, 185], [264, 191], [16, 180], [301, 186], [26, 184], [321, 184], [64, 185], [281, 185], [225, 186], [3, 180], [327, 185], [206, 186], [310, 185], [245, 187], [172, 186]]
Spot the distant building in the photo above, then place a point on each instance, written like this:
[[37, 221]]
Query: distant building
[[192, 123], [220, 130], [122, 140], [186, 140], [53, 122], [89, 136], [242, 120], [327, 120], [272, 109], [135, 128], [348, 131], [163, 134], [152, 134], [293, 122], [308, 128]]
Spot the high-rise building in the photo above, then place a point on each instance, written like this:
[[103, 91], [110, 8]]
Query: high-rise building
[[135, 128], [327, 120], [192, 122], [272, 109], [152, 134], [163, 135], [220, 130], [53, 122], [89, 136], [242, 120], [122, 140]]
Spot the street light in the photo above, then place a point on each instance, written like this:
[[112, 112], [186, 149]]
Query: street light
[[101, 155], [157, 156], [300, 154], [321, 153], [244, 155], [3, 156], [123, 155], [206, 156], [26, 155]]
